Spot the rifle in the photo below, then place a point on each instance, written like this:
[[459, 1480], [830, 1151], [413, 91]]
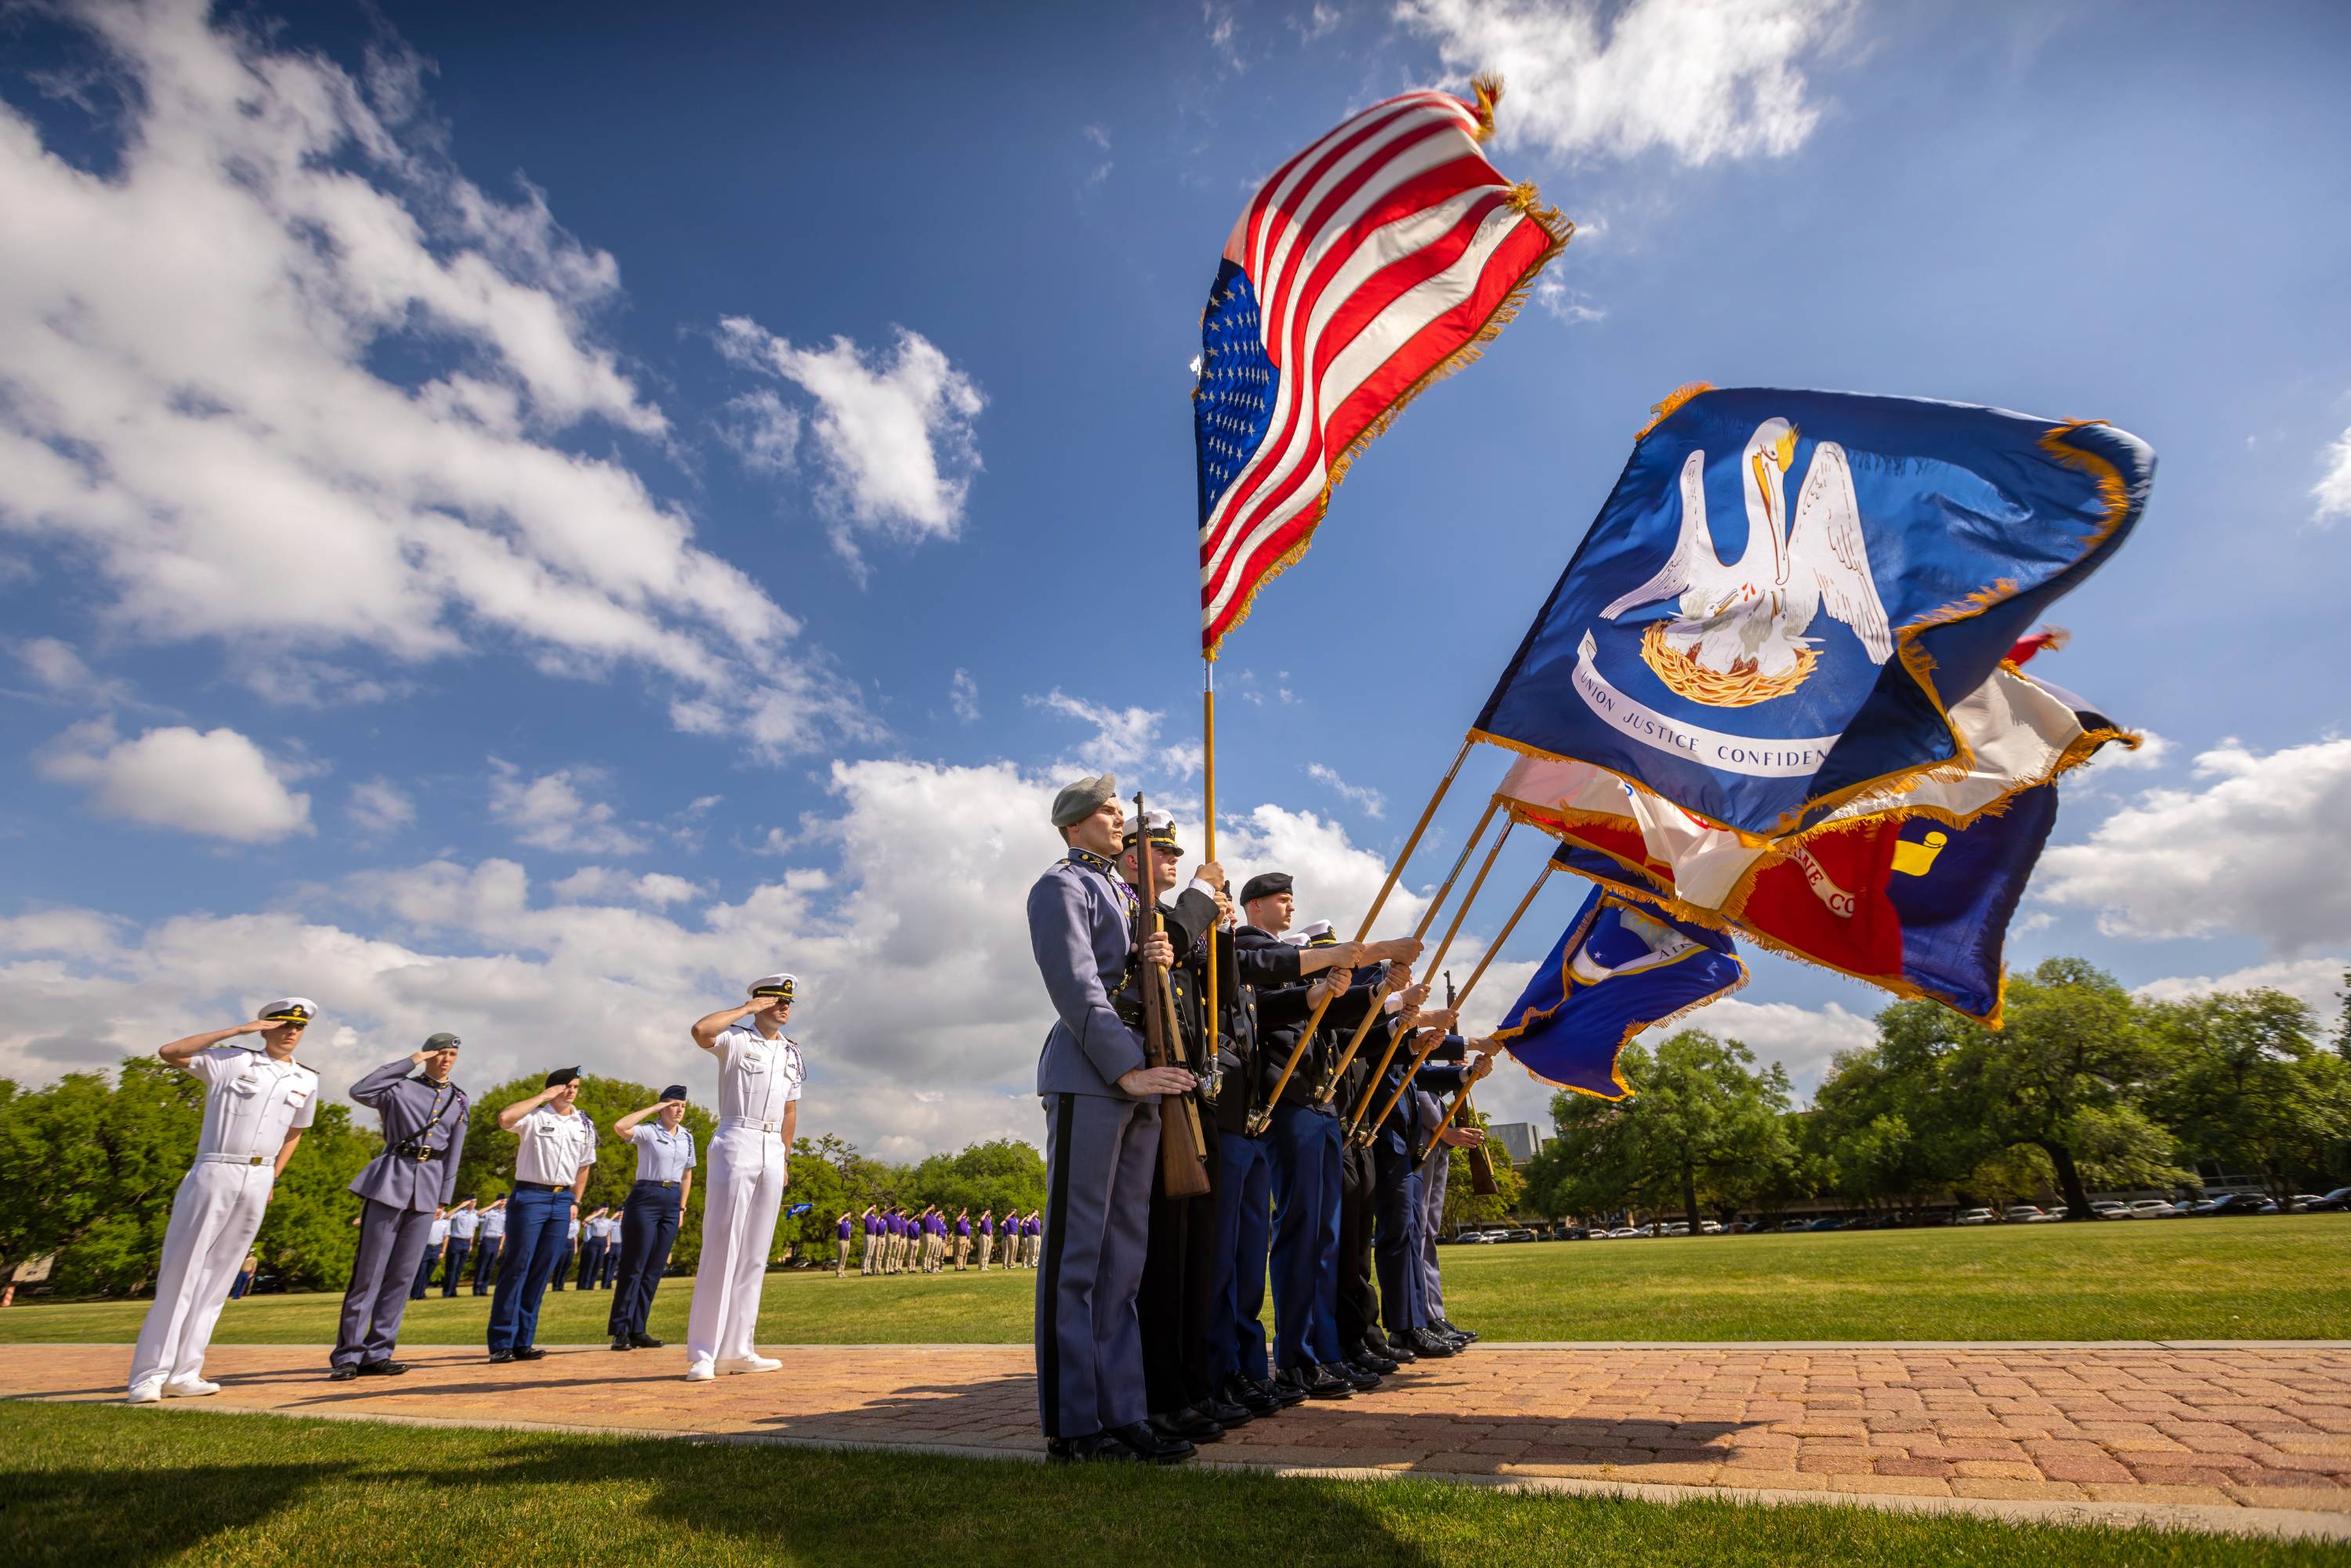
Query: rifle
[[1481, 1163], [1364, 1131], [1183, 1150]]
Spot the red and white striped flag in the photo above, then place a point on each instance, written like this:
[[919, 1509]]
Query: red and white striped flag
[[1374, 262]]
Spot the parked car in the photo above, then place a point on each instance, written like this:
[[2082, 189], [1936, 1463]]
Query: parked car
[[1513, 1233], [1472, 1237], [2334, 1202], [2023, 1214], [1563, 1231], [2302, 1202], [1623, 1233], [2236, 1203], [1789, 1225], [2153, 1209], [1975, 1217]]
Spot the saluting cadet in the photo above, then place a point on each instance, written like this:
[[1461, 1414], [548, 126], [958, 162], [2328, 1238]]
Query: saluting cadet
[[465, 1223], [436, 1241], [489, 1244], [873, 1240], [841, 1243], [1034, 1229], [1102, 1143], [759, 1078], [555, 1147], [938, 1239], [962, 1239], [594, 1241], [651, 1216], [256, 1104], [401, 1202], [986, 1237]]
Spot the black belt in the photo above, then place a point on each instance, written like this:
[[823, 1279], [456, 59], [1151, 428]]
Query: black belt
[[419, 1155], [648, 1181], [545, 1185]]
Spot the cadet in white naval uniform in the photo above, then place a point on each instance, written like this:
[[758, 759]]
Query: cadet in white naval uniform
[[759, 1077], [256, 1104]]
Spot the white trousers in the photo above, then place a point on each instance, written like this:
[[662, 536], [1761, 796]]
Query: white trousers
[[743, 1188], [214, 1219]]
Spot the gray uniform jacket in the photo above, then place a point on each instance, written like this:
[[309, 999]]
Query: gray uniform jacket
[[412, 1124], [1081, 930]]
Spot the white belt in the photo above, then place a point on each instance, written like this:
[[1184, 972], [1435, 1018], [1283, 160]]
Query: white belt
[[232, 1159], [733, 1124]]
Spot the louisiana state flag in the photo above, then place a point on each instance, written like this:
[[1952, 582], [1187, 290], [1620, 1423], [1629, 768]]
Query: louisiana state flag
[[1618, 969], [1788, 593]]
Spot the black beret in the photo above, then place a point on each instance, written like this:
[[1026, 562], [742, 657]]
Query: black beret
[[560, 1076], [674, 1091], [1265, 885]]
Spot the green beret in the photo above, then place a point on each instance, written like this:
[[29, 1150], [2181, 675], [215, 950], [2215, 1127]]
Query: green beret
[[1081, 799]]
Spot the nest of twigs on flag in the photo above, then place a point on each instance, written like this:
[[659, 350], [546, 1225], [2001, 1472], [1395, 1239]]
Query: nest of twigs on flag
[[1743, 685]]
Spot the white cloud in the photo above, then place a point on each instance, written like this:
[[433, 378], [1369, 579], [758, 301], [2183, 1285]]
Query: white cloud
[[60, 671], [2258, 849], [1370, 801], [1702, 79], [201, 425], [215, 782], [2316, 982], [1124, 738], [1223, 33], [1572, 305], [548, 812], [2333, 491], [762, 430], [1316, 22], [963, 695], [378, 807], [894, 429], [592, 883]]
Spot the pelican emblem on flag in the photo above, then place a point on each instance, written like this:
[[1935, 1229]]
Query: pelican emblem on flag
[[1738, 638]]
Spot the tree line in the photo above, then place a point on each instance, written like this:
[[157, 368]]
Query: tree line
[[2086, 1087], [92, 1162]]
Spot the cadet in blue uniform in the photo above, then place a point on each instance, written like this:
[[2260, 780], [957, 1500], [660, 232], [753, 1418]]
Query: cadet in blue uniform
[[594, 1242], [464, 1224], [555, 1147], [1102, 1144], [1403, 1308], [436, 1241], [403, 1191], [650, 1218], [488, 1244]]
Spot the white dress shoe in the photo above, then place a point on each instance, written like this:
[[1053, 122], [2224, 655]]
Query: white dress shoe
[[699, 1372], [145, 1394], [190, 1388], [750, 1363]]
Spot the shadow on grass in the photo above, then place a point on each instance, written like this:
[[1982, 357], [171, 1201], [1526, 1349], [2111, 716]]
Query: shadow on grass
[[130, 1516]]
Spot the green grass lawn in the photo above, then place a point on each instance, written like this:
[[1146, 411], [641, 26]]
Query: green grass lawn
[[2256, 1277], [89, 1484]]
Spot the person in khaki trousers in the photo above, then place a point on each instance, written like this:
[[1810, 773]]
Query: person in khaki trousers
[[962, 1240], [986, 1237], [841, 1245]]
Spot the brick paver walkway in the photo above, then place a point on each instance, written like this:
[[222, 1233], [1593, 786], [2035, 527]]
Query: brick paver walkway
[[2258, 1427]]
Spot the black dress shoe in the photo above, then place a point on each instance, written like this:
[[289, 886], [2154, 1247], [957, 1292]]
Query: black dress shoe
[[1280, 1395], [1248, 1394], [1094, 1448], [1315, 1382], [342, 1375], [1188, 1425], [1367, 1356], [501, 1357], [646, 1341], [1149, 1445], [1376, 1341], [383, 1368], [1226, 1413], [529, 1352], [1444, 1325], [1424, 1342], [621, 1342], [1361, 1378]]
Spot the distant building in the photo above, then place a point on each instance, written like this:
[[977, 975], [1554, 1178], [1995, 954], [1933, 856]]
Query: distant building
[[1519, 1139]]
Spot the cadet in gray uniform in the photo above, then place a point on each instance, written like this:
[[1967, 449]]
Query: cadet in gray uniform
[[403, 1188], [1102, 1144]]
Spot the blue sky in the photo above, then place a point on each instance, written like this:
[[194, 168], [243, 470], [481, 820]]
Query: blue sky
[[520, 521]]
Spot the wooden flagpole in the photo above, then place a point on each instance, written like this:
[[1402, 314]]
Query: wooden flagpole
[[1508, 926], [1420, 933], [1208, 835], [1262, 1118], [1435, 965]]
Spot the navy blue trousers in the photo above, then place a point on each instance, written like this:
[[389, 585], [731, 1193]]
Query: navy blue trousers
[[1303, 1148], [416, 1287], [538, 1242], [455, 1266], [648, 1230], [591, 1261], [486, 1263], [1244, 1235], [1395, 1245]]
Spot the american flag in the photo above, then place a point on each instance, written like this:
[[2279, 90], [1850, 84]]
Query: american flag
[[1374, 262]]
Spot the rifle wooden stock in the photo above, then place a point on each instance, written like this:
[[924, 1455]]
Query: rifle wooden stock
[[1183, 1154], [1260, 1119], [1434, 964]]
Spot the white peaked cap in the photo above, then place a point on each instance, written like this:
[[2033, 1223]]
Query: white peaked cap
[[284, 1005]]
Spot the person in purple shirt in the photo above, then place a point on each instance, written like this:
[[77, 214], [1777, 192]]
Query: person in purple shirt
[[963, 1239], [841, 1245], [897, 1242]]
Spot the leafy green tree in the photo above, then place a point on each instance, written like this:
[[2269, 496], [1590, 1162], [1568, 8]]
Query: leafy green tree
[[1465, 1206], [1702, 1120], [2242, 1079], [92, 1166], [307, 1241]]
